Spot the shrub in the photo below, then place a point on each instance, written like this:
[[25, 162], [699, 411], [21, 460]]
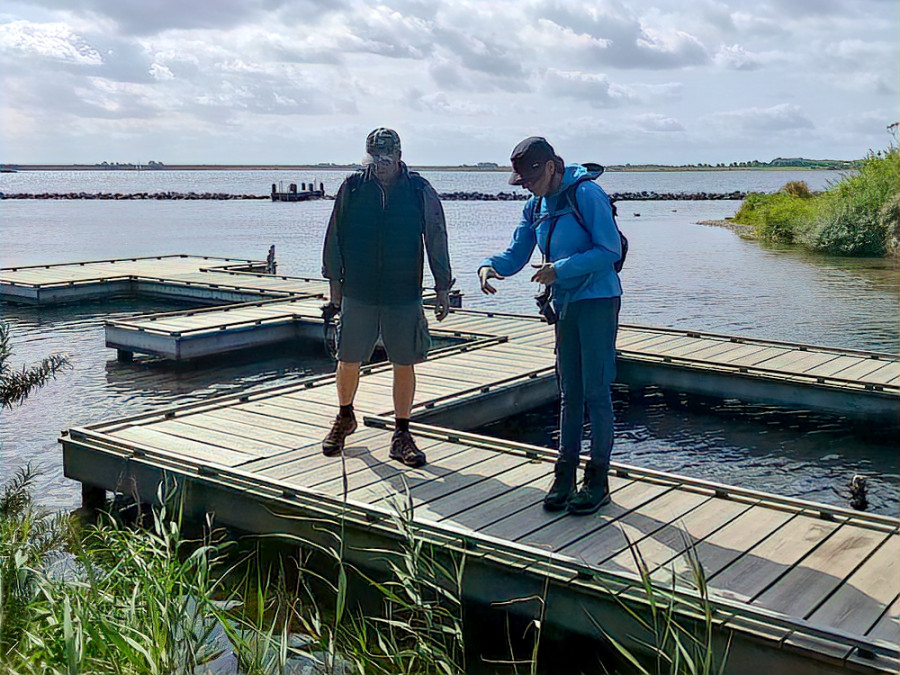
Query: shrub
[[856, 216], [797, 188]]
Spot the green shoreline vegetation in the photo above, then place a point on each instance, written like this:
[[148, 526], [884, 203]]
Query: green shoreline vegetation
[[142, 596], [857, 216]]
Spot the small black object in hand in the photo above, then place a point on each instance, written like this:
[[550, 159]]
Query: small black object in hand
[[545, 306], [329, 311]]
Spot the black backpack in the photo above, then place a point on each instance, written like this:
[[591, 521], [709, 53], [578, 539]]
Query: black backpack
[[596, 171]]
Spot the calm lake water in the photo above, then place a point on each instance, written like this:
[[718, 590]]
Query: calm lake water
[[678, 274]]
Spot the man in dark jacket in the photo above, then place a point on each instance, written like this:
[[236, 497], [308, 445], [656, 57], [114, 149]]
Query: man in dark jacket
[[384, 218]]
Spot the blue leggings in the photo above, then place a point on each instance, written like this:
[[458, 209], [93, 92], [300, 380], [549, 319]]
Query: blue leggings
[[585, 367]]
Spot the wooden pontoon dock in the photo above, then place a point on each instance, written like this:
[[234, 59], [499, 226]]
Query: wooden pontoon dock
[[801, 587], [264, 309]]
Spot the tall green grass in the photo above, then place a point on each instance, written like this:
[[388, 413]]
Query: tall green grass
[[858, 216], [149, 599]]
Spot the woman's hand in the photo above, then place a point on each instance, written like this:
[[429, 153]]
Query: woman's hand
[[485, 273], [545, 274]]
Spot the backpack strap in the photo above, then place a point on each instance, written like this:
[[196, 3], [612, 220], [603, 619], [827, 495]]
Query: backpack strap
[[572, 199]]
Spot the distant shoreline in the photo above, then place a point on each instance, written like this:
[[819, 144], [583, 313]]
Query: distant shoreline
[[351, 167]]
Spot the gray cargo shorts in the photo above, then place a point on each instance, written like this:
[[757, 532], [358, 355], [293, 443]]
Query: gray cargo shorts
[[403, 330]]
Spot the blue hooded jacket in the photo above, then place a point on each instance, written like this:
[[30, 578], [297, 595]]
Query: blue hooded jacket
[[583, 257]]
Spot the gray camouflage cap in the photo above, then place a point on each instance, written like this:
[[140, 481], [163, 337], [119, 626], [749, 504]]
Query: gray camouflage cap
[[382, 141]]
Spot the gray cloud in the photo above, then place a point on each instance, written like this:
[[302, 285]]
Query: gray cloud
[[620, 40], [148, 17], [595, 89], [782, 117]]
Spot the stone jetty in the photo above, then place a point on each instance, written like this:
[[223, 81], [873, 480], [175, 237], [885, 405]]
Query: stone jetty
[[447, 196]]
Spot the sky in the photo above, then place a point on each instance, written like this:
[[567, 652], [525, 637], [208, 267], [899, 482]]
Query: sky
[[462, 81]]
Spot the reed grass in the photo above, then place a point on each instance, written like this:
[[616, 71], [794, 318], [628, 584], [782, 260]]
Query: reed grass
[[16, 385], [857, 216], [148, 599], [679, 634]]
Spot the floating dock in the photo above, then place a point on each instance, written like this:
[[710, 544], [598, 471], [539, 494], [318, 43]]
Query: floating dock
[[800, 587]]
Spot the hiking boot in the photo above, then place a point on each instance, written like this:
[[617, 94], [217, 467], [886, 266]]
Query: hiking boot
[[403, 449], [343, 426], [594, 492], [562, 488]]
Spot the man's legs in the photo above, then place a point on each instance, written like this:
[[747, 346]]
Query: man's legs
[[359, 331], [404, 390], [346, 381]]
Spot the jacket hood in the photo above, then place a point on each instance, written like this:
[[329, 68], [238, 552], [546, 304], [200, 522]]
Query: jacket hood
[[574, 173]]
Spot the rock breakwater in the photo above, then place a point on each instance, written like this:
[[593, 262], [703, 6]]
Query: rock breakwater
[[446, 196]]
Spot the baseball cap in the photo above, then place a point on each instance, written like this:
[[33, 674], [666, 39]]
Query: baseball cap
[[381, 142], [529, 157]]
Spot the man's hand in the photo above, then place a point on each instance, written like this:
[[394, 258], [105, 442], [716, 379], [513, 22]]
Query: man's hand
[[545, 274], [485, 273], [442, 305]]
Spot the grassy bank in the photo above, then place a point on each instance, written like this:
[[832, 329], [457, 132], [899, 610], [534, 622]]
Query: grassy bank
[[857, 216], [146, 597]]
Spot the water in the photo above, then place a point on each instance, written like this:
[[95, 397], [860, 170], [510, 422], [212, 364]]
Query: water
[[678, 274]]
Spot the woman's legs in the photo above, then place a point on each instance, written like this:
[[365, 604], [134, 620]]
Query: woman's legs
[[569, 369], [598, 327]]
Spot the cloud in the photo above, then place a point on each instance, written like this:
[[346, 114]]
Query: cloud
[[160, 72], [594, 89], [149, 17], [52, 41], [442, 104], [778, 118], [657, 122], [735, 57], [599, 92], [610, 35]]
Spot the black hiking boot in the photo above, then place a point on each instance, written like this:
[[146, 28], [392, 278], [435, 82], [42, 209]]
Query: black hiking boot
[[563, 486], [343, 426], [404, 449], [594, 491]]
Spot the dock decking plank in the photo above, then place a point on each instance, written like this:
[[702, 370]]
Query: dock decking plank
[[729, 542], [673, 538], [209, 433], [808, 583], [599, 546], [888, 626], [762, 564], [856, 606], [539, 528], [158, 440]]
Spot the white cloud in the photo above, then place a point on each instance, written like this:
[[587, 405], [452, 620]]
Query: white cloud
[[160, 72], [716, 76], [53, 41], [735, 57], [658, 122]]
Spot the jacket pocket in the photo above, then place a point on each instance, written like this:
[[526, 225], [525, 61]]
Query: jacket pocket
[[422, 341]]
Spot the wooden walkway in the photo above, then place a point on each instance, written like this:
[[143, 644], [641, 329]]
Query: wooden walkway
[[853, 383], [806, 588], [802, 584], [199, 279]]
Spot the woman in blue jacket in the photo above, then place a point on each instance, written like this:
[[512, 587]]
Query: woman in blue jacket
[[580, 268]]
